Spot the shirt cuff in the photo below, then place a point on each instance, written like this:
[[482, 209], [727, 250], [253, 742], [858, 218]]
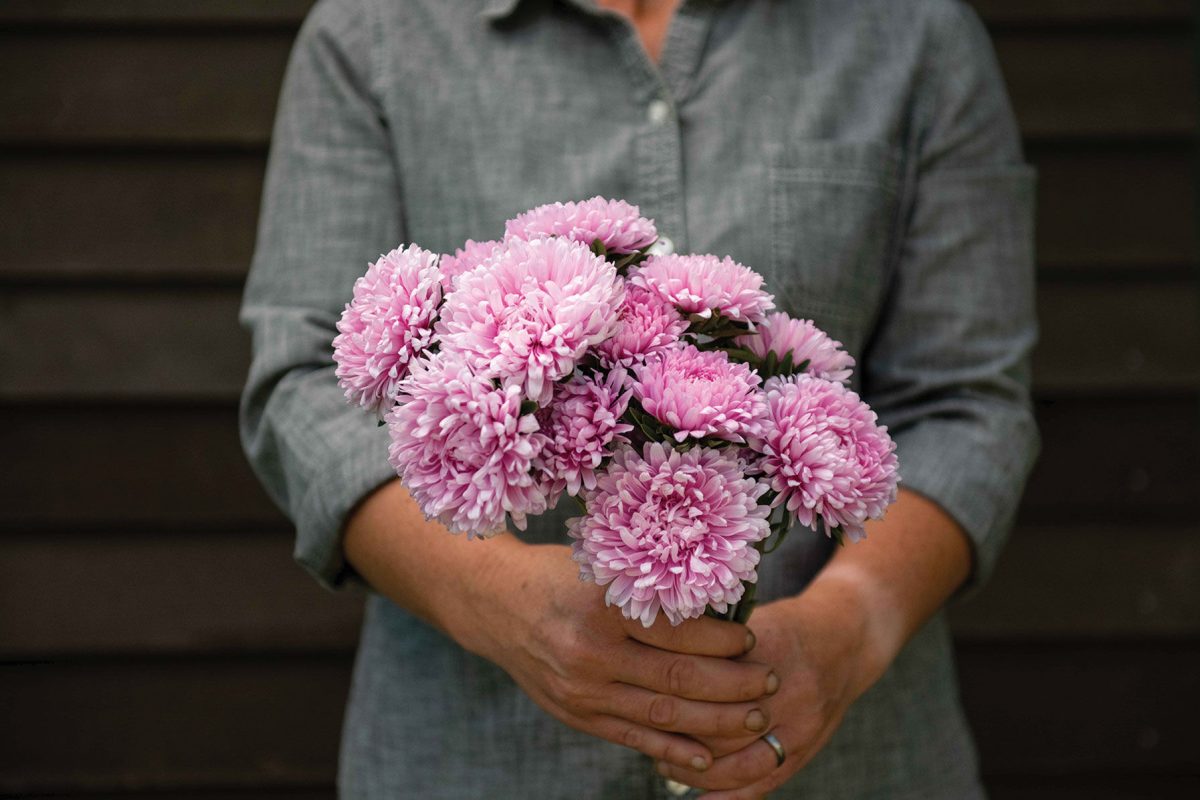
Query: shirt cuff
[[975, 474], [353, 469]]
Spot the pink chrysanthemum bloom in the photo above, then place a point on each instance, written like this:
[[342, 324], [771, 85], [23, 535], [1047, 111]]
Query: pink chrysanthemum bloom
[[387, 323], [700, 393], [464, 449], [648, 326], [465, 259], [703, 285], [825, 454], [671, 531], [583, 426], [781, 334], [617, 224], [532, 313]]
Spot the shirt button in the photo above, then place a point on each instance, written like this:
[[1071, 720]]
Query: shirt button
[[658, 112], [663, 247]]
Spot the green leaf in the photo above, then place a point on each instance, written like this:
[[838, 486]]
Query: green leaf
[[740, 355], [528, 407], [598, 247], [771, 363]]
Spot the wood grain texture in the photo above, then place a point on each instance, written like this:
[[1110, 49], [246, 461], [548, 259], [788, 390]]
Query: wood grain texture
[[1091, 787], [191, 217], [117, 343], [146, 725], [1047, 710], [96, 343], [134, 216], [1125, 84], [95, 467], [1133, 581], [1078, 13], [285, 14], [1069, 709], [181, 87], [1115, 207], [325, 791], [1123, 460], [181, 467], [74, 595], [1118, 335], [126, 88]]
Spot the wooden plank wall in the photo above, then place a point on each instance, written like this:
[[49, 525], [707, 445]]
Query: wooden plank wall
[[155, 638]]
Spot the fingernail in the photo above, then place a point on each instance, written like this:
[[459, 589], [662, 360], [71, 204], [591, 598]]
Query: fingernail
[[699, 764], [772, 683], [751, 640], [756, 720], [663, 768]]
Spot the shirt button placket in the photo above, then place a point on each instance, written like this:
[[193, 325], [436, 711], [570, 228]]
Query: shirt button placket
[[662, 174]]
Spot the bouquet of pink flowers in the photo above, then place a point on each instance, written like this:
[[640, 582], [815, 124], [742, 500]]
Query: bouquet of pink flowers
[[694, 426]]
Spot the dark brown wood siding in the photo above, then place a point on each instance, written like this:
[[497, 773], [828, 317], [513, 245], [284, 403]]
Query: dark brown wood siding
[[156, 639]]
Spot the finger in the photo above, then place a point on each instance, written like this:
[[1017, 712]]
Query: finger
[[695, 677], [665, 748], [667, 712], [703, 636], [745, 768]]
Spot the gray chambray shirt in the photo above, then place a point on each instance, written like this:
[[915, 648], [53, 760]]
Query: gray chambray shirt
[[861, 154]]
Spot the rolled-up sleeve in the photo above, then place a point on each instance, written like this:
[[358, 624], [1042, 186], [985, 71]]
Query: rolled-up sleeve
[[948, 366], [331, 204]]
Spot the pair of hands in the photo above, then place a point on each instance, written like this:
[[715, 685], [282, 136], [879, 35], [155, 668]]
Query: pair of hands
[[697, 698]]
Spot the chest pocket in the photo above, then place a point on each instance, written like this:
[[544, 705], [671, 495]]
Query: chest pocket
[[832, 214]]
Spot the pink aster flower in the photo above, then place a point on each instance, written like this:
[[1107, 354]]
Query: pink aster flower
[[825, 454], [387, 323], [532, 313], [464, 449], [648, 326], [706, 284], [671, 531], [583, 426], [700, 393], [465, 259], [781, 334], [617, 224]]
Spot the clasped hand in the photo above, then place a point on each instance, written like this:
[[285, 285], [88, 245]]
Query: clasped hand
[[696, 698]]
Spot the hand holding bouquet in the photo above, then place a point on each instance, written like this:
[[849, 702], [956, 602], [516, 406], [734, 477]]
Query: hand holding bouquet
[[694, 426]]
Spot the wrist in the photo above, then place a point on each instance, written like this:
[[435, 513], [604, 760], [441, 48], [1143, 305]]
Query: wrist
[[473, 607], [846, 605]]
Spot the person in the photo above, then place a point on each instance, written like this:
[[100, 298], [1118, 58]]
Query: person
[[862, 155]]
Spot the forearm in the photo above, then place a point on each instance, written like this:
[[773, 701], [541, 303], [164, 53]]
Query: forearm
[[911, 562], [419, 565]]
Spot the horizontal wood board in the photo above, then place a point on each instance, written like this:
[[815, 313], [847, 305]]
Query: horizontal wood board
[[190, 218], [167, 344], [181, 467], [1052, 710], [181, 593], [185, 87]]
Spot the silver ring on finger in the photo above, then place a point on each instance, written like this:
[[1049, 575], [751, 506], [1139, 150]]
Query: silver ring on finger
[[777, 746]]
